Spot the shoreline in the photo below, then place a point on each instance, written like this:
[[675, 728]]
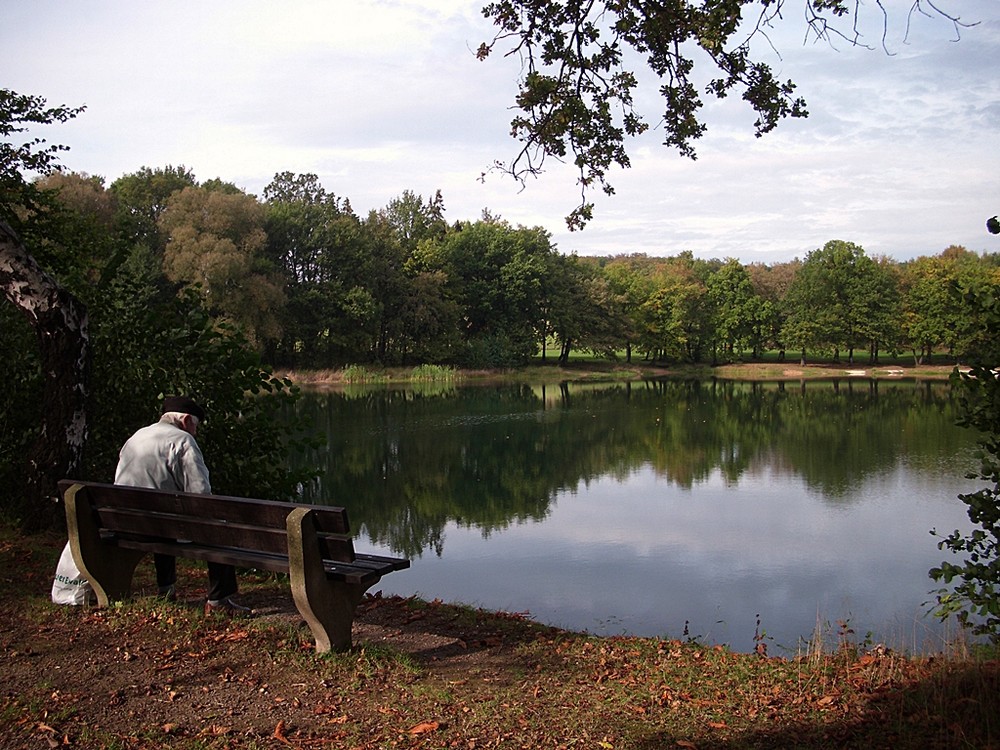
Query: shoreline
[[599, 370]]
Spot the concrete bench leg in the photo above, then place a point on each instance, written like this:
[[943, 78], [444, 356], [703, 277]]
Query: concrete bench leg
[[327, 606], [108, 568]]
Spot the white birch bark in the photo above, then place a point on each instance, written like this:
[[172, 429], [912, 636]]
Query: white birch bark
[[60, 323]]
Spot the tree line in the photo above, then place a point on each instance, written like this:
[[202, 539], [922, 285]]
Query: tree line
[[312, 284]]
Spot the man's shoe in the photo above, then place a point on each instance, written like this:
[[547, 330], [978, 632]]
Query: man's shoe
[[168, 593], [227, 607]]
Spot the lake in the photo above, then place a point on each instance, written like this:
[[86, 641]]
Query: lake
[[731, 512]]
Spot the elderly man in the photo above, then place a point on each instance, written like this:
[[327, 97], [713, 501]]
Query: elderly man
[[166, 456]]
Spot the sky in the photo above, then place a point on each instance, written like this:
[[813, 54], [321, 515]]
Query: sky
[[900, 153]]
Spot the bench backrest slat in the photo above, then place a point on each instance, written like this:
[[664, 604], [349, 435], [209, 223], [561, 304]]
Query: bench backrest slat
[[236, 509], [212, 519], [198, 530]]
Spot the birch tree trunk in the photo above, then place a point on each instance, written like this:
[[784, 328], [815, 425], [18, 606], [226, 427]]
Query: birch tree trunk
[[59, 321]]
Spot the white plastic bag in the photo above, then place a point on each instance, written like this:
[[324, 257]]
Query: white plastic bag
[[70, 586]]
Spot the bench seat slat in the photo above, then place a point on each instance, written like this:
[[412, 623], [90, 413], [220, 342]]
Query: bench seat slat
[[351, 574], [245, 558], [380, 562]]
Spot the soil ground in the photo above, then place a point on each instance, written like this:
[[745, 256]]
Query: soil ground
[[151, 673]]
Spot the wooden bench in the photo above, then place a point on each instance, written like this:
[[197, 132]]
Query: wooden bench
[[111, 528]]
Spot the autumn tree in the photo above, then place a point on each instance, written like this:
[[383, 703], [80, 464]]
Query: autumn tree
[[771, 284], [629, 285], [80, 244], [215, 242], [678, 315]]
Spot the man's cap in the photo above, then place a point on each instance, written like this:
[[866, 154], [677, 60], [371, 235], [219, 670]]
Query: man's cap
[[183, 405]]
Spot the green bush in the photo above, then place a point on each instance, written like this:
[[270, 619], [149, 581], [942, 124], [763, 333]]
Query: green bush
[[974, 595]]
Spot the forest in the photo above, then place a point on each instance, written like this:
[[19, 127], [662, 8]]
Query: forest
[[311, 284]]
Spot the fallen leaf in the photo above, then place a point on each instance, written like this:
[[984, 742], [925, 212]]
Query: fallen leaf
[[279, 732], [686, 744], [424, 727]]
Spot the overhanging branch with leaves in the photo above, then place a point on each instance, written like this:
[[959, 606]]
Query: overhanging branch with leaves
[[575, 98]]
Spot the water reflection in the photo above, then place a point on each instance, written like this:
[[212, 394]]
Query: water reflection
[[639, 507]]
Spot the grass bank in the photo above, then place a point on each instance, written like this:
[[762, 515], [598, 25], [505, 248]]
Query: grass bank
[[150, 674]]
